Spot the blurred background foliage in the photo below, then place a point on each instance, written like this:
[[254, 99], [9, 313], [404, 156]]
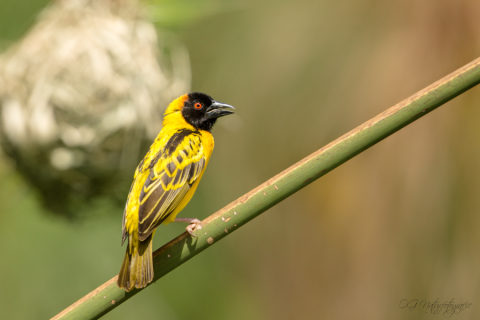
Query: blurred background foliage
[[399, 221], [80, 99]]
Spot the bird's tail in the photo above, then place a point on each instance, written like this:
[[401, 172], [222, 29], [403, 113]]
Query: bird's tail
[[137, 266]]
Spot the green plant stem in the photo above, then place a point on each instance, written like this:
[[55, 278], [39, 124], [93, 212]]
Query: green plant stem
[[233, 216]]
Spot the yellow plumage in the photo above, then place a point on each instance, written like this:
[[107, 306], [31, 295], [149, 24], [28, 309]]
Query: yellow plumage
[[165, 181]]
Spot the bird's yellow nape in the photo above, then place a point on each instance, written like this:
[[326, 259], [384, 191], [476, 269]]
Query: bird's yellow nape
[[177, 104]]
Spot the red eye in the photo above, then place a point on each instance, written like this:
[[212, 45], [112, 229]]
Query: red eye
[[198, 106]]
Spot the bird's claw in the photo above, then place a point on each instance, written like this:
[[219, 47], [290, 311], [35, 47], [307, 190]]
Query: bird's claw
[[195, 224]]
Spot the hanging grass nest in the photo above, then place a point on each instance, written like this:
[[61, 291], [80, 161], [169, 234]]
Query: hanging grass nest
[[82, 97]]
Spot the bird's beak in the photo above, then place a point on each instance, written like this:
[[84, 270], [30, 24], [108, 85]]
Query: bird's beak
[[219, 109]]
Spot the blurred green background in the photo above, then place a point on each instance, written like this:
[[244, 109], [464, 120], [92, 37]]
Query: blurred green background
[[399, 221]]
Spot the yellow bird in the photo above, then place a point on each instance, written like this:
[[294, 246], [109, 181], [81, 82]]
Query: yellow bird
[[166, 179]]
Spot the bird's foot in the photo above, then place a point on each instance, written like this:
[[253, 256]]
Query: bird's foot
[[194, 224]]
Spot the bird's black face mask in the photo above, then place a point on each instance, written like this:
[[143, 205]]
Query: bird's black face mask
[[201, 111]]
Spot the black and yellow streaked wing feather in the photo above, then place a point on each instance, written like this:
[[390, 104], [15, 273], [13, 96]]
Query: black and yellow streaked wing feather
[[172, 173]]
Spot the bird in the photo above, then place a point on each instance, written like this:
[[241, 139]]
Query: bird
[[166, 179]]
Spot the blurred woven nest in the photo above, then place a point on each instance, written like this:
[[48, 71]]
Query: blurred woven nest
[[82, 97]]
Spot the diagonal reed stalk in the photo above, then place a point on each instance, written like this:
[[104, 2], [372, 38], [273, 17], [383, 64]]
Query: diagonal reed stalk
[[219, 225]]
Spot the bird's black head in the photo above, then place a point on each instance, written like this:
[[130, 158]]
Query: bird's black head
[[201, 111]]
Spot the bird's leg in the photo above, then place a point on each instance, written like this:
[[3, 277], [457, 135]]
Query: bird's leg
[[194, 224]]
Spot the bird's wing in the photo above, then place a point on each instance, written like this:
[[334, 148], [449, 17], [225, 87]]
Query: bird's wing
[[171, 176]]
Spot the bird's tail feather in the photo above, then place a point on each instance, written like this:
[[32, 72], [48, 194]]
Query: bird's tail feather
[[137, 266]]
